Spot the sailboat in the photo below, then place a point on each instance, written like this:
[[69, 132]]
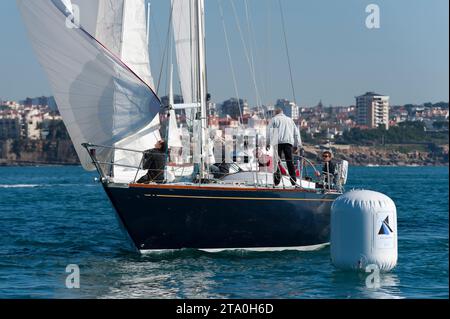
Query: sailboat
[[99, 69]]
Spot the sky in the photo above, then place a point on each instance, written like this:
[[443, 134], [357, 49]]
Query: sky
[[334, 56]]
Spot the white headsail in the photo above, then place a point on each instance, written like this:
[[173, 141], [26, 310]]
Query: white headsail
[[103, 99], [121, 26]]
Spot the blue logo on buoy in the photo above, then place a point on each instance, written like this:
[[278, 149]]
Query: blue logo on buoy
[[385, 228]]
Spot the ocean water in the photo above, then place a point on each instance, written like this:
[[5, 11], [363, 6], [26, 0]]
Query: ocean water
[[51, 217]]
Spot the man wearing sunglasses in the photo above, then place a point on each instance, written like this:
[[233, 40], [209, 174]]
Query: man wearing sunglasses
[[329, 167]]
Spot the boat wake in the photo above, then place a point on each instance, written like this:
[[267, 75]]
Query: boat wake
[[227, 252], [44, 185]]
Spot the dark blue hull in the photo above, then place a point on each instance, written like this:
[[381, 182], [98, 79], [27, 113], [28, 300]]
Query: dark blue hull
[[163, 217]]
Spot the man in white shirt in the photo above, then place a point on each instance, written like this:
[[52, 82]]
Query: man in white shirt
[[285, 137]]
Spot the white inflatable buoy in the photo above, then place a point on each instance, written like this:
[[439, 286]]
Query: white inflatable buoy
[[364, 231]]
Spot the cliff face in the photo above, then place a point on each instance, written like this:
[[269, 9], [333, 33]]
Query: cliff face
[[55, 152], [56, 148]]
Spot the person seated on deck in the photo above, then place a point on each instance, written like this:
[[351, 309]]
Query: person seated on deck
[[328, 169], [155, 162]]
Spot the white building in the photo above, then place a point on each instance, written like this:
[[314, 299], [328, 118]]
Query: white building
[[32, 122], [372, 110]]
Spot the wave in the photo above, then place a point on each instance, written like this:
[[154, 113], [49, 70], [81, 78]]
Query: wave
[[20, 185]]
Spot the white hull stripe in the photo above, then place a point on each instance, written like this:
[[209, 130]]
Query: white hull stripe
[[244, 198]]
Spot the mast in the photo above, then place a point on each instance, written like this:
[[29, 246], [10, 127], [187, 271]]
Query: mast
[[202, 87], [171, 97]]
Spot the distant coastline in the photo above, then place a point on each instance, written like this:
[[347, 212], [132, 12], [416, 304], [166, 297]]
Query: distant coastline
[[356, 156], [33, 164], [62, 153], [33, 135]]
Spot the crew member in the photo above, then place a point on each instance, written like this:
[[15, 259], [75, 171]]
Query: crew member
[[329, 167], [285, 136], [155, 162]]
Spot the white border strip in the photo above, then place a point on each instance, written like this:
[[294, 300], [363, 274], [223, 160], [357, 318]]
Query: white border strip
[[262, 249]]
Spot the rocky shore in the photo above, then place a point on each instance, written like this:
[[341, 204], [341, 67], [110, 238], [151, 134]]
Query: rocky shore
[[394, 155], [56, 152]]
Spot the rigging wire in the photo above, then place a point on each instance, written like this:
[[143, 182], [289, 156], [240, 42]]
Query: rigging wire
[[268, 51], [230, 60], [154, 26], [247, 17], [287, 51], [252, 72], [252, 46], [165, 52]]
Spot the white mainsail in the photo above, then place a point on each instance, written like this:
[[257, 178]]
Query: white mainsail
[[186, 46], [174, 132], [189, 32], [103, 100], [135, 50]]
